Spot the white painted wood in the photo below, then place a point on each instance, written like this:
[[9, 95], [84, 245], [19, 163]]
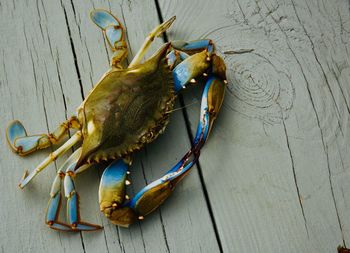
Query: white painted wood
[[276, 166], [52, 54]]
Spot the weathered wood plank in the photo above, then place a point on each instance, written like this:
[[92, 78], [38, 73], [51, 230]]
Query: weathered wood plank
[[31, 91], [52, 55], [276, 168]]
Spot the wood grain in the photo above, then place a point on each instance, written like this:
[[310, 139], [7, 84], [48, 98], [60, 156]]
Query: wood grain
[[276, 168]]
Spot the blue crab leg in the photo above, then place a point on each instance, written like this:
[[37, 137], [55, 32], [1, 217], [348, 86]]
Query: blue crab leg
[[23, 144], [113, 31], [52, 157], [53, 212], [150, 38], [73, 213], [54, 204]]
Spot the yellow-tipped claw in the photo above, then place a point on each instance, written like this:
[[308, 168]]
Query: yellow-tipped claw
[[164, 26]]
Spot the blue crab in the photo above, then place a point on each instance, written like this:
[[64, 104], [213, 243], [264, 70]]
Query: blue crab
[[128, 108]]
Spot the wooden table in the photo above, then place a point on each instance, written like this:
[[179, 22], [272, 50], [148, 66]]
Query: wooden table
[[275, 174]]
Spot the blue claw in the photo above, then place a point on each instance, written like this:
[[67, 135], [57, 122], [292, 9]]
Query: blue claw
[[112, 185], [114, 174], [190, 68]]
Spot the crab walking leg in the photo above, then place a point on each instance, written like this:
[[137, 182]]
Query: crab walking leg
[[23, 144], [73, 213], [54, 204], [155, 33], [113, 31], [52, 157]]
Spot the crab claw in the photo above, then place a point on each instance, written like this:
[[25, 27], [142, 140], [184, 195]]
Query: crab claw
[[152, 196], [112, 194], [123, 216], [164, 26]]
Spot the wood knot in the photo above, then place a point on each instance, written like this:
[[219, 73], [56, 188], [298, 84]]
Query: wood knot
[[263, 88]]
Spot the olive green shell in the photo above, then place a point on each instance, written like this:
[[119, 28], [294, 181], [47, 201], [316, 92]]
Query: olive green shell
[[127, 109]]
